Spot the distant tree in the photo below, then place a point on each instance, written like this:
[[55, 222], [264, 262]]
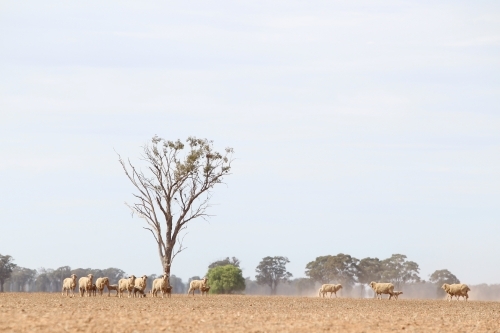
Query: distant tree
[[6, 267], [443, 276], [175, 189], [81, 272], [318, 270], [21, 277], [114, 274], [226, 279], [233, 261], [178, 286], [304, 285], [440, 277], [43, 282], [399, 271], [341, 268], [271, 271], [58, 275], [369, 269]]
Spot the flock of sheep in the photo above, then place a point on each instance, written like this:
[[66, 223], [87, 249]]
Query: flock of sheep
[[458, 290], [135, 287]]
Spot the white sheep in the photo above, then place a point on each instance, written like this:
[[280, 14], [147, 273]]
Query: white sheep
[[126, 284], [69, 284], [382, 288], [329, 288], [100, 283], [161, 284], [85, 285], [197, 284], [140, 284], [457, 289]]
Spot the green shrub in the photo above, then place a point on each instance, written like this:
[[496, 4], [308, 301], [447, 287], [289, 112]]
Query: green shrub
[[226, 279]]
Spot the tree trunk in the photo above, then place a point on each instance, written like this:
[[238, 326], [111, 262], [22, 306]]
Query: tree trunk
[[1, 286], [165, 262]]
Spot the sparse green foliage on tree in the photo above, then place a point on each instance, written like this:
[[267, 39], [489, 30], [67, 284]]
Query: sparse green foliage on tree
[[271, 271], [6, 267], [175, 188], [233, 261], [226, 279]]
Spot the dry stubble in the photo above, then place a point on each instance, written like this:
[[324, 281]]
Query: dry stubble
[[43, 312]]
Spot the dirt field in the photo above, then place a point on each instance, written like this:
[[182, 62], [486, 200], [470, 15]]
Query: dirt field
[[39, 312]]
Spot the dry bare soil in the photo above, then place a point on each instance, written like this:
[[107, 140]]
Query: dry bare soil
[[43, 312]]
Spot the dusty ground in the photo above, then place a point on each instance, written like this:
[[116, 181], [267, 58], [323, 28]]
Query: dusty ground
[[39, 312]]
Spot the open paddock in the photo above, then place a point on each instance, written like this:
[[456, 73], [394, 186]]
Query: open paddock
[[50, 312]]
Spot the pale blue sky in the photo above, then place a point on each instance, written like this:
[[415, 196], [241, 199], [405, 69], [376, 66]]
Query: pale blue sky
[[361, 127]]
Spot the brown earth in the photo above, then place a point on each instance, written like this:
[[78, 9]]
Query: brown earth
[[44, 312]]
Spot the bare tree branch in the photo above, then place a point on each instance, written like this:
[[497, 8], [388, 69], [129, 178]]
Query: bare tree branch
[[169, 196]]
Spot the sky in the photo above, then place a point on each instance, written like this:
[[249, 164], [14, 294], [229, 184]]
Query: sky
[[360, 127]]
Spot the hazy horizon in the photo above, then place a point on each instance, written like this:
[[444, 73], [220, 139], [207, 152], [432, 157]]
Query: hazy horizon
[[358, 127]]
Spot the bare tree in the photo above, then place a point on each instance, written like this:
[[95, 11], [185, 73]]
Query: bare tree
[[176, 188]]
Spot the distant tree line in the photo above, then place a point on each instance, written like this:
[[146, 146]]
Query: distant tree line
[[20, 279], [226, 276]]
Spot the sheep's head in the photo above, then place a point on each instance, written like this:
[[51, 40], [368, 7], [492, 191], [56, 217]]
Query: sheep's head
[[144, 277], [445, 286], [340, 286], [73, 276], [90, 276], [132, 277], [372, 284]]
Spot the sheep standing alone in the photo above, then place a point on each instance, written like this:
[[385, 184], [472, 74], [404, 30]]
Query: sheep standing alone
[[329, 288], [140, 284], [85, 285], [382, 288], [161, 284], [197, 284], [69, 284], [100, 283], [457, 289], [126, 284]]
